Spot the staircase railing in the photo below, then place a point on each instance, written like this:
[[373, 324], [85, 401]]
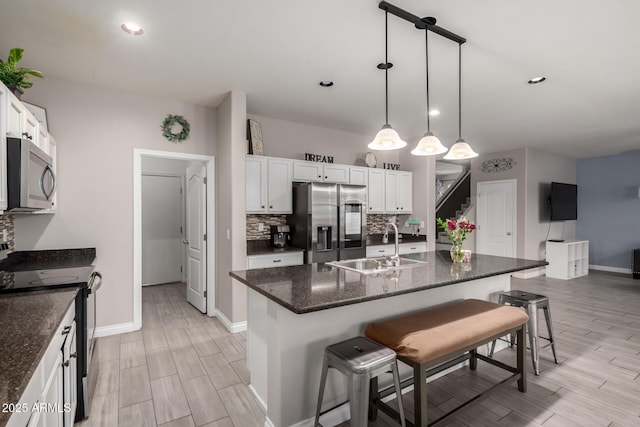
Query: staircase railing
[[456, 197]]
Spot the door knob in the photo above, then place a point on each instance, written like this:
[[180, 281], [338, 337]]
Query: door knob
[[508, 233], [185, 242]]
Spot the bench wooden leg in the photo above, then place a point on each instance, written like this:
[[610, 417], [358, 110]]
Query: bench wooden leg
[[521, 356], [420, 395]]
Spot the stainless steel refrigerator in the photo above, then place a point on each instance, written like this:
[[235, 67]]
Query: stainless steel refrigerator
[[329, 221]]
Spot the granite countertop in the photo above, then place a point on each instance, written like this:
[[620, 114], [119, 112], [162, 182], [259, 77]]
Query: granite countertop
[[27, 324], [376, 239], [312, 287], [49, 259], [263, 247]]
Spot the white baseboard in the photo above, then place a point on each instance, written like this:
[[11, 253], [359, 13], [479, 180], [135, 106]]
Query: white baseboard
[[610, 269], [121, 328], [258, 398], [231, 327], [528, 274]]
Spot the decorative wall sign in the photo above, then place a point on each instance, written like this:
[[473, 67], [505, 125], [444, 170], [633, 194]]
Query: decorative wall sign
[[168, 128], [497, 165], [254, 130], [391, 166], [318, 158]]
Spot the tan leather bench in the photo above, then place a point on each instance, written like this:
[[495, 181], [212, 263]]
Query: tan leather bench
[[433, 340]]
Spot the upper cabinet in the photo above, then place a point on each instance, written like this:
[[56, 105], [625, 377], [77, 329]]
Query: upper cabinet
[[17, 121], [376, 191], [320, 172], [268, 185], [398, 187], [358, 175]]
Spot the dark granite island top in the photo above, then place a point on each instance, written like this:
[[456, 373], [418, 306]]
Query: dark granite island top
[[312, 287], [28, 321]]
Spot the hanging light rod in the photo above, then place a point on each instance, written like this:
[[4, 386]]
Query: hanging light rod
[[420, 23]]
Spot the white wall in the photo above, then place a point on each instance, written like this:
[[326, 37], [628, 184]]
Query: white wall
[[231, 297], [97, 130], [291, 140], [542, 169], [424, 193]]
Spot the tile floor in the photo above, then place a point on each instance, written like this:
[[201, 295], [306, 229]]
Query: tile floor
[[185, 369]]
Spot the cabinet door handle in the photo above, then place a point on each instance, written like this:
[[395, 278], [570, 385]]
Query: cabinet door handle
[[413, 249], [262, 206], [326, 177], [319, 176], [277, 260], [401, 208], [381, 250], [66, 330], [508, 233], [73, 355], [65, 364], [270, 207], [370, 207]]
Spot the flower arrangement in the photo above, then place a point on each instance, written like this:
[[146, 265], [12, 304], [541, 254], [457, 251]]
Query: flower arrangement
[[457, 231]]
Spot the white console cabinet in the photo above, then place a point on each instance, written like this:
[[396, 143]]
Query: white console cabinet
[[567, 259]]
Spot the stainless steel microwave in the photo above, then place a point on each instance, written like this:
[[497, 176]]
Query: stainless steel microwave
[[31, 181]]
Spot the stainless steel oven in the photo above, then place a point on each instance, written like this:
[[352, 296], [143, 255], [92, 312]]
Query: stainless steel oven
[[31, 182], [90, 359]]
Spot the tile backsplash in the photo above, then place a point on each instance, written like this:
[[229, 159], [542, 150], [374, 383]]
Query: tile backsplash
[[267, 220], [375, 224], [6, 223]]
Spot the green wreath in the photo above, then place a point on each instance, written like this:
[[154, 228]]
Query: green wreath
[[168, 123]]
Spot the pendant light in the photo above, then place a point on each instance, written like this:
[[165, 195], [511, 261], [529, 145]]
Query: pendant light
[[429, 145], [460, 150], [387, 138]]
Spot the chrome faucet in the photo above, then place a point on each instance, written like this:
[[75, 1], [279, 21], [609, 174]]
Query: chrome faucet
[[395, 259]]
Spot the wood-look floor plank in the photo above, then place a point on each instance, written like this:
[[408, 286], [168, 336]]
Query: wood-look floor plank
[[108, 378], [134, 386], [231, 348], [177, 338], [188, 363], [104, 411], [138, 415], [160, 363], [243, 409], [204, 401], [225, 422], [204, 344], [169, 400], [132, 354], [220, 371], [108, 348], [154, 339], [180, 422]]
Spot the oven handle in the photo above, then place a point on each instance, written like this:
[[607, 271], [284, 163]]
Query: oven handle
[[93, 287], [53, 179]]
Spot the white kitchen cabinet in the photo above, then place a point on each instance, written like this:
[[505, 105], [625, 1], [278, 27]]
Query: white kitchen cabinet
[[42, 139], [398, 192], [282, 259], [15, 115], [358, 175], [30, 128], [320, 172], [376, 191], [568, 259], [47, 390], [4, 99], [307, 171], [279, 187], [413, 248], [338, 174], [390, 248], [268, 185]]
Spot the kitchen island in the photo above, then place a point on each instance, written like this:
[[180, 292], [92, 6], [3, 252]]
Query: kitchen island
[[295, 312]]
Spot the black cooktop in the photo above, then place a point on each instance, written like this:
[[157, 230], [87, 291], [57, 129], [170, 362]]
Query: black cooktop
[[38, 270]]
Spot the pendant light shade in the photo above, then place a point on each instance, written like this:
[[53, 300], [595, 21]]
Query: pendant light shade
[[429, 144], [386, 138], [460, 150]]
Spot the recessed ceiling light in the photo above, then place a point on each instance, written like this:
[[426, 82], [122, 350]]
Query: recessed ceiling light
[[536, 80], [326, 83], [131, 28], [434, 112]]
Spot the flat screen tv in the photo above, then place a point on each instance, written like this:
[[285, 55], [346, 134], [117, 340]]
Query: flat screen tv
[[564, 201]]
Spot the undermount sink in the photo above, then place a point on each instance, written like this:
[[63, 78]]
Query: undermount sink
[[375, 265]]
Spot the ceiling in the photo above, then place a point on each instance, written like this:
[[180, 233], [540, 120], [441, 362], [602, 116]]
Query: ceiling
[[277, 51]]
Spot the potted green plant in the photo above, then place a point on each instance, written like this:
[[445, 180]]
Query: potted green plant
[[16, 79]]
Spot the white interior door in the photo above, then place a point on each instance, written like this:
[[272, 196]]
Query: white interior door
[[161, 229], [196, 237], [496, 216]]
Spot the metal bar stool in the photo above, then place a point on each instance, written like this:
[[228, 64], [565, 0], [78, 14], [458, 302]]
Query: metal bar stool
[[360, 359], [531, 303]]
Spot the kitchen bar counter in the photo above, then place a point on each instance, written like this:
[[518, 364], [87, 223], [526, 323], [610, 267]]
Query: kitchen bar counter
[[294, 312], [48, 259], [28, 321], [312, 287]]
